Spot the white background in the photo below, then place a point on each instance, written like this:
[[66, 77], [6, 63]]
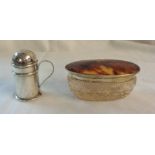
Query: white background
[[77, 19], [56, 96], [77, 134]]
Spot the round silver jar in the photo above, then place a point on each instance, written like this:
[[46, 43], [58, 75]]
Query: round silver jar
[[94, 85]]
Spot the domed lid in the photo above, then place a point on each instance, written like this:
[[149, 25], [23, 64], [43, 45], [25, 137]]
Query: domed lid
[[103, 67], [24, 58]]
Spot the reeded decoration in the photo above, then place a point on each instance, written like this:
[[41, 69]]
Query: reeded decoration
[[102, 80], [25, 68]]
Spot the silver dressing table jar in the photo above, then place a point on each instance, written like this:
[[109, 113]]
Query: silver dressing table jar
[[25, 68]]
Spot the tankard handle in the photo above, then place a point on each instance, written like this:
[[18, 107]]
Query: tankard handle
[[46, 61]]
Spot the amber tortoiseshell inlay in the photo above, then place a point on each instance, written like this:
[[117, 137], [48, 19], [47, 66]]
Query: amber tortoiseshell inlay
[[103, 67]]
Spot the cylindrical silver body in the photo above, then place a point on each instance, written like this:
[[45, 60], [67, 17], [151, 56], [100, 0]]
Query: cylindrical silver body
[[27, 86], [25, 68]]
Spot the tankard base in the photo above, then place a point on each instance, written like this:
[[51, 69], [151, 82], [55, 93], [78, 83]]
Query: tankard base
[[28, 99]]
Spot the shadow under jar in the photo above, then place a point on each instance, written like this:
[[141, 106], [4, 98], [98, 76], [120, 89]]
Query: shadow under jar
[[102, 79]]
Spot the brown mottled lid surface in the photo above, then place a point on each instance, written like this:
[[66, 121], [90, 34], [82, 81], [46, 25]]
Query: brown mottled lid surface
[[103, 67]]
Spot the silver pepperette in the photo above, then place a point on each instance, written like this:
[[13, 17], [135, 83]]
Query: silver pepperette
[[25, 68]]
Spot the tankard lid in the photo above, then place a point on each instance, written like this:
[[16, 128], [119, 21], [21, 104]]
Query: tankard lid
[[23, 58]]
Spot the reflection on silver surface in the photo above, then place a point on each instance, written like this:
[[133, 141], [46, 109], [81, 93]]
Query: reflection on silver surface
[[25, 68]]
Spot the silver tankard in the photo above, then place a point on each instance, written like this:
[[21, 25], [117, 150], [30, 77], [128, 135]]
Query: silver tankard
[[25, 68]]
